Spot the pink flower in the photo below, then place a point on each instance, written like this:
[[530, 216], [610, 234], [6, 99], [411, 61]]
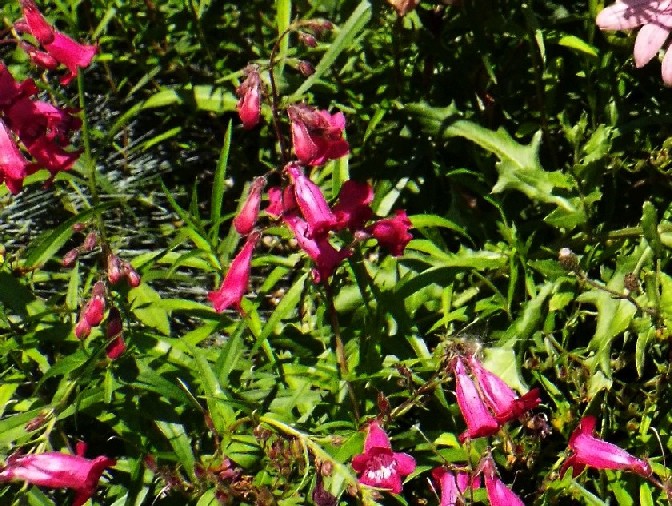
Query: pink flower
[[353, 209], [379, 466], [59, 47], [92, 313], [114, 331], [317, 135], [249, 105], [451, 486], [477, 416], [58, 470], [392, 233], [587, 450], [504, 402], [655, 17], [13, 165], [247, 217], [311, 202], [237, 278], [320, 250], [498, 493]]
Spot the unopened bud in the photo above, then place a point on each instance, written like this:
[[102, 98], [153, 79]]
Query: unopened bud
[[319, 25], [132, 275], [82, 329], [114, 325], [78, 227], [116, 348], [307, 39], [568, 259], [114, 269], [70, 257], [37, 422], [90, 241], [306, 68]]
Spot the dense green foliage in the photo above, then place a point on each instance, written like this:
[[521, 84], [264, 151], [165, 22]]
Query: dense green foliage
[[506, 131]]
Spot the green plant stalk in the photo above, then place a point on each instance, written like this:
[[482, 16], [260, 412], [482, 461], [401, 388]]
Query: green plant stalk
[[90, 167]]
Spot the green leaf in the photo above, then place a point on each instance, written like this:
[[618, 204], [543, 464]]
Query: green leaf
[[283, 17], [180, 442], [578, 45], [519, 167], [356, 22], [201, 97], [219, 185], [145, 304], [650, 226], [613, 318]]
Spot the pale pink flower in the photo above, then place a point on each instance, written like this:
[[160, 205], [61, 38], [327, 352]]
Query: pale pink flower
[[587, 450], [379, 466], [655, 18]]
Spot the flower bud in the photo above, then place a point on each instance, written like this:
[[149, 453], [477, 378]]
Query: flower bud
[[115, 348], [249, 93], [90, 241], [307, 39], [78, 227], [70, 257], [306, 68], [114, 269], [132, 275], [247, 217], [82, 329], [568, 260]]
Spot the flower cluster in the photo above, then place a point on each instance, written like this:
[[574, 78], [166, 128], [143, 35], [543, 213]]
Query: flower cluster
[[488, 402], [33, 127]]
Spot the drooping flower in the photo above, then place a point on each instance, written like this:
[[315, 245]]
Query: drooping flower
[[114, 331], [452, 485], [477, 416], [504, 402], [379, 466], [392, 233], [353, 208], [249, 103], [587, 450], [237, 278], [58, 470], [498, 493], [58, 46], [311, 202], [320, 250], [317, 135], [655, 18], [247, 217], [13, 165]]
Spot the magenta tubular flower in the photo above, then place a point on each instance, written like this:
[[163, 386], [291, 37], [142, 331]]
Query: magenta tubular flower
[[13, 165], [249, 103], [452, 485], [379, 466], [247, 217], [587, 450], [353, 209], [58, 470], [655, 18], [498, 493], [504, 402], [59, 46], [392, 233], [317, 135], [479, 421], [237, 278], [320, 250], [311, 202], [11, 90]]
